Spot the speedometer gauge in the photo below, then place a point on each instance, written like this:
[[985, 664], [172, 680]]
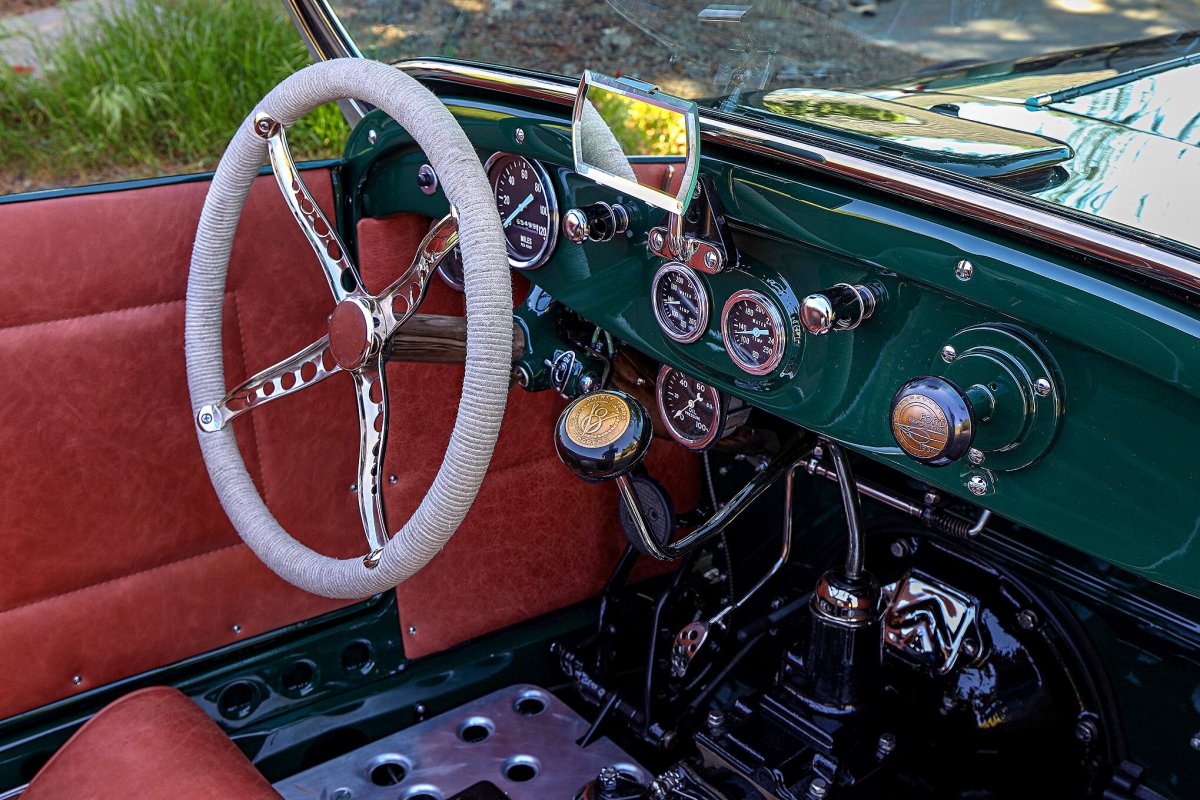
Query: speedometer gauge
[[692, 410], [528, 210], [680, 302], [753, 330]]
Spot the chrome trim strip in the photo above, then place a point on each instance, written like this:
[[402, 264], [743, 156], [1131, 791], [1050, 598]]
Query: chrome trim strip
[[1053, 227]]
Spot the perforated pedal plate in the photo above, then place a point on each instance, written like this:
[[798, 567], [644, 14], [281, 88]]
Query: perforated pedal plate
[[521, 739]]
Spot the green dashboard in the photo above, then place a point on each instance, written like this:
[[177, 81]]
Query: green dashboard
[[1095, 449]]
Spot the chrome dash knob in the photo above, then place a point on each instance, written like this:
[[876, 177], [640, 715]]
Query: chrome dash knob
[[599, 222], [840, 308]]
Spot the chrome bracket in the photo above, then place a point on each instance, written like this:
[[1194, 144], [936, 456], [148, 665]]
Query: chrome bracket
[[700, 237], [928, 621]]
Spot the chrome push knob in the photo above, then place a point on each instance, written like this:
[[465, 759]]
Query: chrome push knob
[[934, 421], [599, 222], [840, 308], [603, 435]]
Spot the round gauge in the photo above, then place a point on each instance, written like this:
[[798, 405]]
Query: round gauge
[[525, 200], [753, 332], [691, 409], [680, 302]]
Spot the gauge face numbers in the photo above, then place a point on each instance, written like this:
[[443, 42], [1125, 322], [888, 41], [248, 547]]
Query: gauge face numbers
[[691, 409], [680, 303], [525, 200], [753, 332]]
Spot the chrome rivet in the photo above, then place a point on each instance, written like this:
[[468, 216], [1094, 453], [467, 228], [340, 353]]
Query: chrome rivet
[[588, 382], [977, 485], [975, 456], [427, 179], [342, 794], [1027, 619], [519, 135], [949, 353], [1042, 386], [77, 679], [640, 381], [712, 260], [392, 479], [964, 269], [412, 630], [1195, 742], [237, 628], [353, 488], [372, 136], [656, 240]]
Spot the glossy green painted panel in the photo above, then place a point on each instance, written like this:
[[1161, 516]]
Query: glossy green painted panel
[[1117, 480]]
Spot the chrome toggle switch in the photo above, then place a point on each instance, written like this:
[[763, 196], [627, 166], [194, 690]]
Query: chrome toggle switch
[[599, 222], [840, 308]]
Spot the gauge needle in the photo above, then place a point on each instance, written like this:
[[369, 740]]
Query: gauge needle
[[753, 332], [686, 409], [524, 203]]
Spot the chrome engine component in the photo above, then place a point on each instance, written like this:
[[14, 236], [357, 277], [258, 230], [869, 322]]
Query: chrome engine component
[[929, 621], [521, 739]]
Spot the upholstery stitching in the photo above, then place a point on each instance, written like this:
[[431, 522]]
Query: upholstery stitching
[[258, 451], [126, 576], [107, 312]]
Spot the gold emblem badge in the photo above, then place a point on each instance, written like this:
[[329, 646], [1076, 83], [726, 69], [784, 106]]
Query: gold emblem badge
[[598, 421], [920, 426]]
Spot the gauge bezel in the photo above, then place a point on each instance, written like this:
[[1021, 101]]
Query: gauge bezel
[[696, 445], [703, 311], [542, 175], [777, 328]]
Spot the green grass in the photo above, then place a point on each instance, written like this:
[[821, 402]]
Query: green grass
[[156, 88]]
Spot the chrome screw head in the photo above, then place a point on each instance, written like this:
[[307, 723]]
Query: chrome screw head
[[887, 743], [206, 418], [818, 789], [963, 270], [977, 485], [608, 779], [519, 135], [949, 353], [392, 479], [412, 630], [587, 382], [342, 794], [1027, 619], [1086, 731], [77, 679], [372, 136], [1042, 386], [1195, 742], [899, 548], [975, 456], [712, 260], [353, 488], [656, 240], [237, 628]]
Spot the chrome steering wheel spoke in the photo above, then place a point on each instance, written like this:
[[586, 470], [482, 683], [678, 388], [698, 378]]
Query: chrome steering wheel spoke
[[311, 365], [370, 387], [403, 296], [341, 274]]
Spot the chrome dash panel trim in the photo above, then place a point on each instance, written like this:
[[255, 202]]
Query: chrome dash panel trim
[[1012, 213]]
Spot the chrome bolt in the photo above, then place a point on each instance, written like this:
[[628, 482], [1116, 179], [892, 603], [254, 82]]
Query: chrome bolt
[[818, 788], [372, 136], [427, 179], [420, 710], [412, 630], [353, 488], [342, 794], [608, 779], [932, 497], [964, 269], [975, 456], [78, 679], [1042, 386], [1195, 741], [237, 628], [899, 548], [588, 382], [887, 743], [519, 135], [656, 240], [392, 479], [723, 471], [716, 719], [1086, 731], [949, 353], [1027, 619], [977, 485], [640, 381], [712, 260]]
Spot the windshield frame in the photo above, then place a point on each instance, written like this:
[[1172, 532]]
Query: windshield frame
[[1164, 261]]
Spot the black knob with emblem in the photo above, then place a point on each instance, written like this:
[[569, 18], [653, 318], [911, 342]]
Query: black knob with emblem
[[933, 420], [603, 435]]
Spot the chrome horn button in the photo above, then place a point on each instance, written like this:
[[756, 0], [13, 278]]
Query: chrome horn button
[[351, 329]]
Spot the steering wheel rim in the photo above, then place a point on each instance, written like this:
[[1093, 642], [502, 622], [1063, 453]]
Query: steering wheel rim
[[489, 327]]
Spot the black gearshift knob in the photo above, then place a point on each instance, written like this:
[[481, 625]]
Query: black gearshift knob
[[603, 435]]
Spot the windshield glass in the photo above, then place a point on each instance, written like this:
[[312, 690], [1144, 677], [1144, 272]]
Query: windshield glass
[[1090, 104]]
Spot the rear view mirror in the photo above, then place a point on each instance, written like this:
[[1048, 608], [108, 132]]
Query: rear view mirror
[[629, 136]]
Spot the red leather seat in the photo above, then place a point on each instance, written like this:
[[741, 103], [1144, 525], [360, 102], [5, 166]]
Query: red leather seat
[[153, 744]]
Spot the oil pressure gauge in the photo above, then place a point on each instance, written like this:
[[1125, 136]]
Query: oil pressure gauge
[[753, 330], [693, 411], [680, 302]]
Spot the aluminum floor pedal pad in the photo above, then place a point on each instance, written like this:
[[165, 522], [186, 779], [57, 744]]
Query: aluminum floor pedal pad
[[521, 739]]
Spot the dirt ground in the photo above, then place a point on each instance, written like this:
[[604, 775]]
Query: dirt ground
[[10, 7], [780, 42]]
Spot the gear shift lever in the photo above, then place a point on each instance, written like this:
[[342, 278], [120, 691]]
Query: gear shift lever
[[602, 436]]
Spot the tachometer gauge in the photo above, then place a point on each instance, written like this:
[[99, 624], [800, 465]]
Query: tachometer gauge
[[753, 330], [692, 410], [680, 302], [528, 210]]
